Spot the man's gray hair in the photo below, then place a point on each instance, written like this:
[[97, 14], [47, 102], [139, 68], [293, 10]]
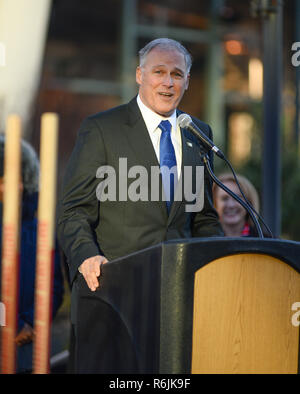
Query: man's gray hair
[[167, 44], [30, 166]]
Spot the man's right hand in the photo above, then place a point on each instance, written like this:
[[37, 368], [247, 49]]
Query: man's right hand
[[90, 269]]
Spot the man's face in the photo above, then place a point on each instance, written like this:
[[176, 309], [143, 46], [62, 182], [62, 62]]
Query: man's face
[[163, 80]]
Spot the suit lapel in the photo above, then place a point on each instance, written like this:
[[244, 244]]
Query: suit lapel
[[141, 144], [138, 136]]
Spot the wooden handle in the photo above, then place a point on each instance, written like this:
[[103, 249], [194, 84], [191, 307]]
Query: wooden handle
[[45, 242], [10, 241]]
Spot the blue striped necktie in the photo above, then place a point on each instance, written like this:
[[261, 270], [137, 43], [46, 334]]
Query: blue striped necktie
[[167, 160]]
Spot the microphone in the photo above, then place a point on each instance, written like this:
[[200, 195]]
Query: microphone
[[185, 122]]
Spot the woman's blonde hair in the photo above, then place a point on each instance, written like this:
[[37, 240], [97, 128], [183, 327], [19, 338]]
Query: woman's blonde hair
[[246, 186]]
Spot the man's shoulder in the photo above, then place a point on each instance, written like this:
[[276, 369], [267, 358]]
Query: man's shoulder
[[111, 121], [108, 114], [114, 114], [200, 123]]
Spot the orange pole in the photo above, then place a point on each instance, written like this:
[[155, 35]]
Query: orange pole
[[10, 242], [45, 243]]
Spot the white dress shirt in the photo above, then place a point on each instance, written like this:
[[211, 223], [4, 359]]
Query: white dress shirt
[[152, 121]]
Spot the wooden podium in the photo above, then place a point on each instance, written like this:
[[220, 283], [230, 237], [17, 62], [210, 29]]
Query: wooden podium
[[213, 305]]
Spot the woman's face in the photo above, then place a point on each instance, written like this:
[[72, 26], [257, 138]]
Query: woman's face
[[231, 213]]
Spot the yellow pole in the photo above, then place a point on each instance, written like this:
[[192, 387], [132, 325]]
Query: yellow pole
[[10, 241], [45, 243]]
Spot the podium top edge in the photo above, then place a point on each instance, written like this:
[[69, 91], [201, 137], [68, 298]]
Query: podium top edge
[[227, 244]]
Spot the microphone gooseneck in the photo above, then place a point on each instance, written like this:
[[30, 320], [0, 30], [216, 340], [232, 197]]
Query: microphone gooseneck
[[185, 122]]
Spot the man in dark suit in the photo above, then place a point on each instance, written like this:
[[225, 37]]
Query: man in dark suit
[[145, 133]]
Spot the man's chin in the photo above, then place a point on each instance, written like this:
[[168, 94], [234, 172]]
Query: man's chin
[[165, 112]]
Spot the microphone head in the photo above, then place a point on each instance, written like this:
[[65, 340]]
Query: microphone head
[[184, 120]]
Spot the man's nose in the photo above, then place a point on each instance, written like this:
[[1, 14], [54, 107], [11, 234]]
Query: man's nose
[[168, 80]]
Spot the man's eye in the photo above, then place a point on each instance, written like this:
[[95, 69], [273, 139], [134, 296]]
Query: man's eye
[[157, 72]]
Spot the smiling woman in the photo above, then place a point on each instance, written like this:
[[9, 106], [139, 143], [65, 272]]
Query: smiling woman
[[233, 217]]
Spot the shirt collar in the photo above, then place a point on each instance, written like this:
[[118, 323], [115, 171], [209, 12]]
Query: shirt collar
[[152, 119]]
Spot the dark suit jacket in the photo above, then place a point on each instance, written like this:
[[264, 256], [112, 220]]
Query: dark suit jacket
[[87, 227]]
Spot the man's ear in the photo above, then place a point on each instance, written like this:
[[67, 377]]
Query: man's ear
[[138, 75], [187, 82]]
